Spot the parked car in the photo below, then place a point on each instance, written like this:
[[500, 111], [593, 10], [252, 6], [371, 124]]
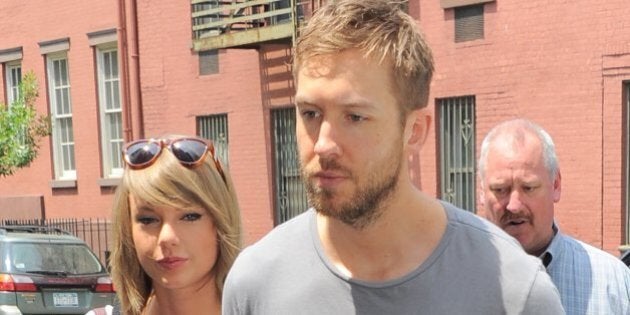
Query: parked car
[[626, 258], [48, 271]]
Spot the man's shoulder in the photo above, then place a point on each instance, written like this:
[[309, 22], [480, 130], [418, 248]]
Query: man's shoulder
[[273, 263], [287, 237], [478, 228], [490, 247]]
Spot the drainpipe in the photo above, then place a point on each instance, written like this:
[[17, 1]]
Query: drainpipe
[[133, 122]]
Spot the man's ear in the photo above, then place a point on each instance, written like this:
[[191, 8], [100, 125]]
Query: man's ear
[[417, 127], [557, 186], [482, 195]]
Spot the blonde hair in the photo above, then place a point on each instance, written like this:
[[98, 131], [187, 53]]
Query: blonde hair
[[382, 31], [167, 183]]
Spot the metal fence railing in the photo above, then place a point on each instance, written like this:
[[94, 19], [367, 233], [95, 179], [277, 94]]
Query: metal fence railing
[[95, 232]]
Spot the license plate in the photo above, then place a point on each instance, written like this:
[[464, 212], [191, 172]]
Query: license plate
[[65, 299]]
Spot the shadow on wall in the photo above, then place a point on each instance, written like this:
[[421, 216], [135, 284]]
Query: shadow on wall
[[277, 86]]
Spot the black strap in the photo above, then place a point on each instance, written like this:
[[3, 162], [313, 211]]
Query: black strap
[[546, 259]]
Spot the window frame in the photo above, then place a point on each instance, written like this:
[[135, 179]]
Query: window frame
[[12, 88], [111, 159], [60, 160]]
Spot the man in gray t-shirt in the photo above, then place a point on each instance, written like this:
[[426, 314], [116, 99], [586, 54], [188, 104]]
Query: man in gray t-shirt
[[373, 242], [475, 269]]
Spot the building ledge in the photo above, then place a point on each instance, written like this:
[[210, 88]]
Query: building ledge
[[109, 182], [63, 184], [245, 39]]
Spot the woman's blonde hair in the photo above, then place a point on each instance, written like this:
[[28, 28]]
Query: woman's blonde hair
[[381, 30], [168, 183]]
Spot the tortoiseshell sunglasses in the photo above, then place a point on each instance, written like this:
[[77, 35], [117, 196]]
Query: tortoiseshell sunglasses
[[189, 151]]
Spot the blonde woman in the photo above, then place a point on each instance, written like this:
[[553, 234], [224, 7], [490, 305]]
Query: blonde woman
[[176, 228]]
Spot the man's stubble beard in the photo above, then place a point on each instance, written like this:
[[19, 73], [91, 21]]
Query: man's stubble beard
[[366, 204]]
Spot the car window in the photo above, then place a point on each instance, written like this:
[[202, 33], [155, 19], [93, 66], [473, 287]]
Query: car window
[[71, 259]]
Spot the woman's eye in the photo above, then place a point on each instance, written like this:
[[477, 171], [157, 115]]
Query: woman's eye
[[191, 216], [145, 220]]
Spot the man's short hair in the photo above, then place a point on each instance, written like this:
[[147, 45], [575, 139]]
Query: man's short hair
[[382, 31]]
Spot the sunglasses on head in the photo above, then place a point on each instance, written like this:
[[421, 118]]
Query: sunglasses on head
[[190, 152]]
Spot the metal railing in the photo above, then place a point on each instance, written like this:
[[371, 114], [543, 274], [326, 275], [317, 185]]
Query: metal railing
[[255, 21]]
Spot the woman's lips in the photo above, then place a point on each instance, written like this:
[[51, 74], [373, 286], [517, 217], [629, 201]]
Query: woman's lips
[[170, 263]]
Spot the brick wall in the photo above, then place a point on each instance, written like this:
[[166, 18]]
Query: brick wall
[[560, 64], [25, 24], [543, 61]]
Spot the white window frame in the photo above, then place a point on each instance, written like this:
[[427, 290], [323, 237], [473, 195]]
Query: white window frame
[[12, 69], [110, 110], [62, 138]]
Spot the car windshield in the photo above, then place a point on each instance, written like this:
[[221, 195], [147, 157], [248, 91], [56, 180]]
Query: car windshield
[[55, 259]]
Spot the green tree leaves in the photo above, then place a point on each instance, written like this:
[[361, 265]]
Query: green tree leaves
[[21, 128]]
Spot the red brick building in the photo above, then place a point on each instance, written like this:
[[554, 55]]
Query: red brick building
[[563, 65], [219, 69]]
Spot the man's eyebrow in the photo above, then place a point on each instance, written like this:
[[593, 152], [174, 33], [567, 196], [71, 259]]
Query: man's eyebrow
[[362, 103], [302, 102]]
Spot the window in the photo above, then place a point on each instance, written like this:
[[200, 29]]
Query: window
[[456, 127], [290, 197], [110, 111], [469, 23], [208, 62], [61, 114], [13, 71], [11, 60], [215, 128]]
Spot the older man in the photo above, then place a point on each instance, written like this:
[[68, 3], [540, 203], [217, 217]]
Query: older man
[[521, 182]]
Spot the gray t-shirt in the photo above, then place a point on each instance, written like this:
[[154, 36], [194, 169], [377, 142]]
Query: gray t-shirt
[[475, 269]]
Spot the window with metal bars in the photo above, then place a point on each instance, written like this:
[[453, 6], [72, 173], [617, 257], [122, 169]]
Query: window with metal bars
[[456, 132], [215, 128], [469, 24], [290, 197]]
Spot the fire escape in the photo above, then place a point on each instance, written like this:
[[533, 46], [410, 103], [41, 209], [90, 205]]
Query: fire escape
[[247, 23]]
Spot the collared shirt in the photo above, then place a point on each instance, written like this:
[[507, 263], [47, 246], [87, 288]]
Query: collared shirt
[[590, 280]]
